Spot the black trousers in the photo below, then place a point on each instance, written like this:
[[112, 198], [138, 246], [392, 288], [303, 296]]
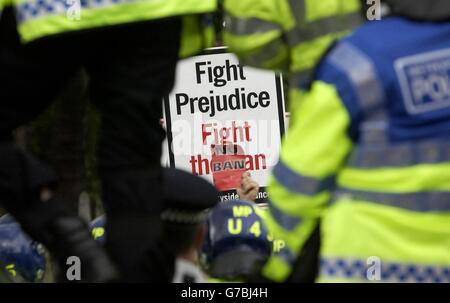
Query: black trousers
[[130, 68]]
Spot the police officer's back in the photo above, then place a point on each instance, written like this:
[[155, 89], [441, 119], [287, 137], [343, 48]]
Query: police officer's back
[[378, 118], [129, 50]]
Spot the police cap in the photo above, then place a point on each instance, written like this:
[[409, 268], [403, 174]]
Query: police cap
[[186, 197]]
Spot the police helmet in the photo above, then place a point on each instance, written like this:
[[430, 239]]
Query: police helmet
[[6, 219], [237, 241], [23, 258]]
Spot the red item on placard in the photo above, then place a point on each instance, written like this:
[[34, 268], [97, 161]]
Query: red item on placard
[[228, 165]]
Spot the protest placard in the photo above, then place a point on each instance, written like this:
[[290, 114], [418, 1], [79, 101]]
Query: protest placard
[[223, 119]]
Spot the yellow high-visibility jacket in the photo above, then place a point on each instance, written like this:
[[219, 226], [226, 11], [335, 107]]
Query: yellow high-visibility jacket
[[289, 36], [42, 18], [368, 154]]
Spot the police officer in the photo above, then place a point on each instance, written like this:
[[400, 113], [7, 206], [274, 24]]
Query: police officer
[[129, 49], [237, 243], [97, 228], [187, 198], [369, 154], [290, 36]]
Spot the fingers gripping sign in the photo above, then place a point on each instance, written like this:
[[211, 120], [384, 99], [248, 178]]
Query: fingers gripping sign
[[249, 188]]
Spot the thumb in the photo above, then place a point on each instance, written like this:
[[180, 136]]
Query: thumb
[[239, 192]]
